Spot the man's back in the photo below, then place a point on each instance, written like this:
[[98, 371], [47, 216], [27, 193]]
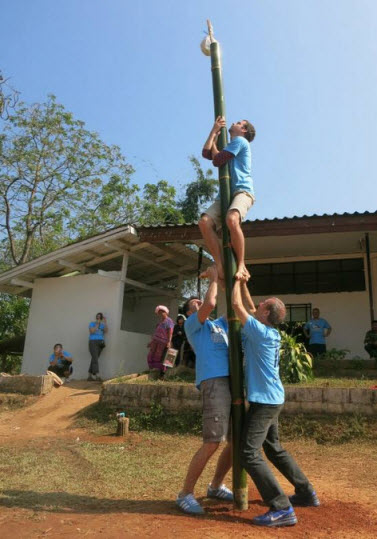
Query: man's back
[[210, 343]]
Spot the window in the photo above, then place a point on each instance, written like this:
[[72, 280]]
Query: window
[[314, 276], [298, 312]]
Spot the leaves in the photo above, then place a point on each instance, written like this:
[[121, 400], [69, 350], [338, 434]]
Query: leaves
[[54, 176], [295, 362], [198, 193]]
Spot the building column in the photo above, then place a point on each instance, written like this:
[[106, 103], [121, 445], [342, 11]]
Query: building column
[[174, 304]]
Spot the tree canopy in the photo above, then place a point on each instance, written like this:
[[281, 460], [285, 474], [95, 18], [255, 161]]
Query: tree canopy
[[59, 182]]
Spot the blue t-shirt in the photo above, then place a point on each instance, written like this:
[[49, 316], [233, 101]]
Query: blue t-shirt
[[60, 359], [210, 344], [262, 346], [240, 166], [98, 334], [316, 327]]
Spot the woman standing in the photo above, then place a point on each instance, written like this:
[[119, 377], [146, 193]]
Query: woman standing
[[97, 330], [161, 339], [179, 337]]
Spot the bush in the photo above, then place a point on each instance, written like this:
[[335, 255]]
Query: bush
[[334, 354], [295, 361]]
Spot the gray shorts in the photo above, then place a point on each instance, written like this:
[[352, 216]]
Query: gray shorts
[[216, 399], [241, 202]]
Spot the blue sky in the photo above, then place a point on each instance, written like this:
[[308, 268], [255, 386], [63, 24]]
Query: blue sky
[[304, 72]]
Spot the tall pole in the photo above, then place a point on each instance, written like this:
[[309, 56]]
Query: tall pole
[[370, 285], [235, 350]]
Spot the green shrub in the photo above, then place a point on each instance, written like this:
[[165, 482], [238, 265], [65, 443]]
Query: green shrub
[[334, 353], [295, 361], [158, 420]]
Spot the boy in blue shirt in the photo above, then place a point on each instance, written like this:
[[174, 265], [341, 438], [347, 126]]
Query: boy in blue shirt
[[238, 154], [316, 330], [60, 363], [265, 394], [210, 343]]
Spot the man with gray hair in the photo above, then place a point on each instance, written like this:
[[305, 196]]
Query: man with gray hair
[[265, 394]]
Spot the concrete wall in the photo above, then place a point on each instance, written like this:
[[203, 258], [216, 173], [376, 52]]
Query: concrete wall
[[346, 312], [138, 313], [174, 398], [27, 385], [61, 310]]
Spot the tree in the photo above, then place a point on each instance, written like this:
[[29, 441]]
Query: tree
[[198, 193], [54, 175], [14, 312], [159, 205], [8, 97]]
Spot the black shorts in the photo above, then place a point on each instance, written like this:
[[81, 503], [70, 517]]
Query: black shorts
[[316, 349], [60, 370]]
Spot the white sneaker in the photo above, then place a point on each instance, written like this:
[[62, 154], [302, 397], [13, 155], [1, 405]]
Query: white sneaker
[[66, 381]]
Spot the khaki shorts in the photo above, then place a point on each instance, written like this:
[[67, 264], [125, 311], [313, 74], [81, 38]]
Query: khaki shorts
[[241, 202], [217, 401]]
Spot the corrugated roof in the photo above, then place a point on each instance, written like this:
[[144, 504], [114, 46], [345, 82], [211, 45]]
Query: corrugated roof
[[268, 220]]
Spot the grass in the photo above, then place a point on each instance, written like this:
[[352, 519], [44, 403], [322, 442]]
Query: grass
[[334, 382], [15, 401], [63, 475], [323, 429]]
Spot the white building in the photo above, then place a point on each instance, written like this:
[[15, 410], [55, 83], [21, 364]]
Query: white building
[[327, 261]]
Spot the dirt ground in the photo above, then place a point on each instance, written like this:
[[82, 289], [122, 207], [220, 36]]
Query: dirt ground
[[344, 476]]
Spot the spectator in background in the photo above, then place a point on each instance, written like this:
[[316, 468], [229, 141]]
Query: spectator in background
[[316, 330], [370, 341], [97, 331], [161, 339], [179, 337], [61, 363]]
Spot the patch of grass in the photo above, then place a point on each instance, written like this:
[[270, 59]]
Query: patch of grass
[[100, 420], [157, 420], [85, 476], [15, 401], [334, 382], [97, 418], [323, 429], [329, 429]]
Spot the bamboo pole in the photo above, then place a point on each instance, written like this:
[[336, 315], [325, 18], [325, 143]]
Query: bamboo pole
[[235, 351]]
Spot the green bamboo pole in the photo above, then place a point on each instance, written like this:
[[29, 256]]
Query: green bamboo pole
[[235, 352]]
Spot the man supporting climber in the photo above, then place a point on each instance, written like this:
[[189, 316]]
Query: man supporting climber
[[238, 154]]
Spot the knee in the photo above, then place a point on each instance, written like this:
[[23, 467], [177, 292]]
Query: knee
[[274, 453], [205, 223], [248, 457], [233, 219], [210, 447]]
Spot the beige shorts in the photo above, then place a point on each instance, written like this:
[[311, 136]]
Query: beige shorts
[[216, 399], [241, 202]]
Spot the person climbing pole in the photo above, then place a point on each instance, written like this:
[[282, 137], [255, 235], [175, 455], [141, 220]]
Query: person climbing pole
[[238, 154]]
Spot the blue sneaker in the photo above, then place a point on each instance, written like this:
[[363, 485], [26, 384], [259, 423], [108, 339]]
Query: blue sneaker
[[189, 505], [221, 493], [302, 500], [275, 519]]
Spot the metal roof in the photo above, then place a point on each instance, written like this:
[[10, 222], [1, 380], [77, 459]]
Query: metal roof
[[160, 253], [153, 265]]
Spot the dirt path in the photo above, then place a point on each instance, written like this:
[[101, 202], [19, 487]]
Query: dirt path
[[51, 415]]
